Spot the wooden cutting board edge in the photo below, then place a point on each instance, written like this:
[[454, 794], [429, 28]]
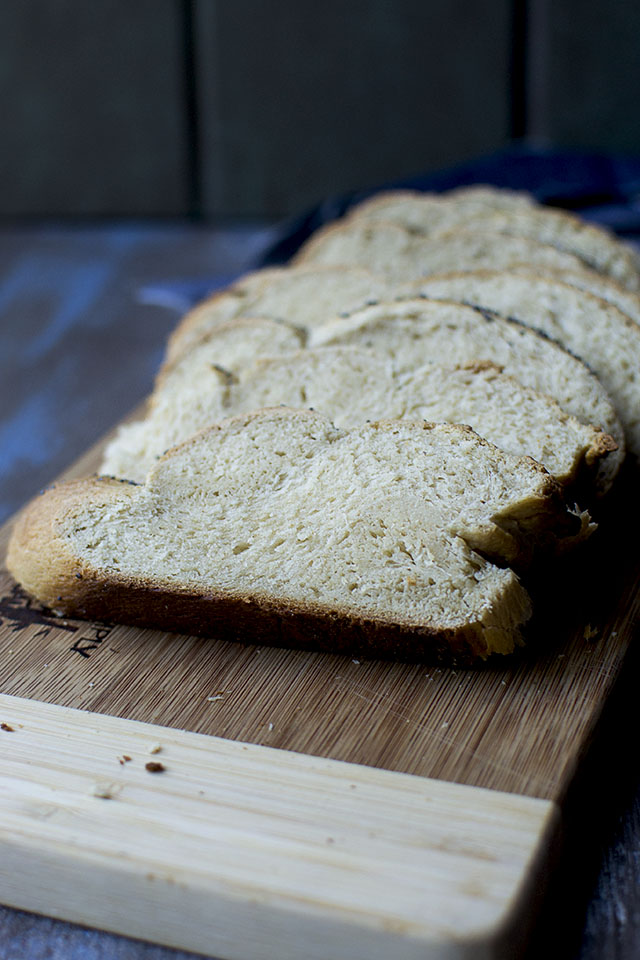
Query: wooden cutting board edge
[[243, 851]]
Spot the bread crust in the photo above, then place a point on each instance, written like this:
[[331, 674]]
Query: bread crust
[[37, 557]]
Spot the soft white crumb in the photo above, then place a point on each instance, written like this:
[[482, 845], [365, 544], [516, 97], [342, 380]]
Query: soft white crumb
[[156, 748]]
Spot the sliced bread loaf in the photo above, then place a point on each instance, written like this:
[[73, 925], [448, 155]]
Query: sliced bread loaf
[[351, 386], [600, 334], [418, 331], [279, 528]]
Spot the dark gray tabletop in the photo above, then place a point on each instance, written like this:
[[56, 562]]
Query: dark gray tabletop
[[84, 314]]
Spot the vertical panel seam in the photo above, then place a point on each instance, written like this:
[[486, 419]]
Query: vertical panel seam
[[193, 145], [518, 70]]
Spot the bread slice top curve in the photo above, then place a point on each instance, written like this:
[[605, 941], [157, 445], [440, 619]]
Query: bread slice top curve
[[597, 248], [230, 346], [425, 212], [597, 283], [352, 385], [303, 296], [495, 211], [417, 331], [281, 524], [596, 331], [401, 256]]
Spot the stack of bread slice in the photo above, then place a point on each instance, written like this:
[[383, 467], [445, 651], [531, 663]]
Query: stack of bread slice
[[366, 450]]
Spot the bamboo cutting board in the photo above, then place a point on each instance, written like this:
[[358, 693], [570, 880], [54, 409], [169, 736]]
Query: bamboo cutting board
[[307, 805]]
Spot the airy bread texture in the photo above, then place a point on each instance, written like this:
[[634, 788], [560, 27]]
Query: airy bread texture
[[305, 297], [278, 527], [596, 331], [351, 386], [416, 331], [402, 255]]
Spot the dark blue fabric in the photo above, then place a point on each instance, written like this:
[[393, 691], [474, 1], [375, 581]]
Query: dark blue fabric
[[600, 187]]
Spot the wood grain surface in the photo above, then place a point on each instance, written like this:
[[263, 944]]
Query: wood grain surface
[[251, 852]]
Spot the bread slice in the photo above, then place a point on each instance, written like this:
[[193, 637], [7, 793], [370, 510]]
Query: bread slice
[[402, 256], [418, 331], [424, 212], [230, 346], [600, 334], [597, 283], [305, 297], [351, 386], [280, 528], [596, 247]]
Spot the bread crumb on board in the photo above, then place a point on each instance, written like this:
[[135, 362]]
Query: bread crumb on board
[[154, 767], [106, 791], [218, 695]]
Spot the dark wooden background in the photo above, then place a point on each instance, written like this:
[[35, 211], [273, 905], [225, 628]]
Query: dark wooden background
[[235, 109]]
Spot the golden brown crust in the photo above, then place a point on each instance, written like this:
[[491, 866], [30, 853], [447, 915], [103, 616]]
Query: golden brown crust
[[602, 445], [265, 621], [37, 556]]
